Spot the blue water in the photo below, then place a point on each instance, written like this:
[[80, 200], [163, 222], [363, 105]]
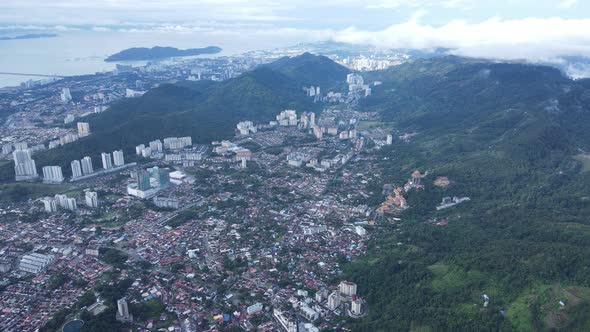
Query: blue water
[[82, 52]]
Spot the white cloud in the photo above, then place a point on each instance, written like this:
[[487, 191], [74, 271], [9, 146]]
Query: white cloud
[[536, 39], [392, 4], [567, 4]]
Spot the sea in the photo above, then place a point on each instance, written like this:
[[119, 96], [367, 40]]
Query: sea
[[83, 52]]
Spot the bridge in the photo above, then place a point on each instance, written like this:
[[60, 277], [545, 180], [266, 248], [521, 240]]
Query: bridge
[[29, 74]]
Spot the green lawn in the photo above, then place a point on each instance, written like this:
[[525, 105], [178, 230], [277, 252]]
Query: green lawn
[[366, 125]]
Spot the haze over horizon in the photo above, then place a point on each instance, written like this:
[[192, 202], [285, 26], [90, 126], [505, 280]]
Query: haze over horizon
[[534, 30]]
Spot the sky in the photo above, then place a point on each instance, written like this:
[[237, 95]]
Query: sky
[[537, 30]]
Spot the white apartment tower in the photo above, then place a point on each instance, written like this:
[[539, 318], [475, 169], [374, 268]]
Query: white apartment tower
[[107, 162], [91, 198], [24, 166], [87, 166], [83, 129], [333, 301], [76, 169], [118, 158], [49, 204], [66, 96], [52, 174]]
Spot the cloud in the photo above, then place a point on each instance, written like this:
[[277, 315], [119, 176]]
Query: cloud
[[567, 4], [101, 29], [536, 39], [393, 4]]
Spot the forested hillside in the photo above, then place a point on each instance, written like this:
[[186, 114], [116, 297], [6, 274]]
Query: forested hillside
[[506, 136]]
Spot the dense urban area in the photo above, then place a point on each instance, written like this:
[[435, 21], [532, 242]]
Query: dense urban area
[[246, 233], [286, 191]]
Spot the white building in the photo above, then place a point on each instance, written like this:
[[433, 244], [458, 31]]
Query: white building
[[389, 139], [146, 152], [87, 166], [76, 169], [356, 306], [123, 311], [6, 149], [309, 313], [69, 119], [83, 129], [333, 301], [165, 202], [255, 308], [176, 143], [359, 230], [65, 95], [66, 202], [287, 118], [49, 204], [118, 158], [52, 174], [24, 166], [91, 198], [246, 127], [139, 148], [347, 288], [107, 163], [35, 263], [155, 145]]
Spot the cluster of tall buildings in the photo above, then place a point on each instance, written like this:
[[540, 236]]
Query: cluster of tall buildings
[[177, 143], [8, 148], [117, 160], [312, 91], [81, 167], [148, 182], [157, 146], [246, 127], [287, 118], [356, 85], [50, 204], [346, 293]]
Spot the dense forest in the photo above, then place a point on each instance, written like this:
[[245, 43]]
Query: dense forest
[[506, 137]]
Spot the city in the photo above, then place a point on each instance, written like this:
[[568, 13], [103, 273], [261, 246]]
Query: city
[[280, 166], [200, 240]]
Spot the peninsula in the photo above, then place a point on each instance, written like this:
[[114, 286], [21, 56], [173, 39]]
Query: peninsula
[[158, 52]]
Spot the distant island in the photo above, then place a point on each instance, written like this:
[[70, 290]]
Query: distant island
[[157, 52], [31, 36]]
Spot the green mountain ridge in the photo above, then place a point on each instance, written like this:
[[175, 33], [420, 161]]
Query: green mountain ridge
[[506, 135], [158, 52], [204, 110]]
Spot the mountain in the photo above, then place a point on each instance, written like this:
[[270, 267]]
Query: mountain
[[204, 110], [510, 137], [158, 52], [308, 69], [31, 36]]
